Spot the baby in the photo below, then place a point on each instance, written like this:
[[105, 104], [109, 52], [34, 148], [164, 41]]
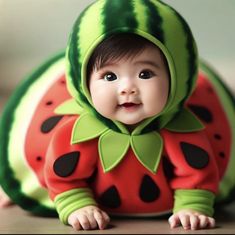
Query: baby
[[121, 138], [131, 84]]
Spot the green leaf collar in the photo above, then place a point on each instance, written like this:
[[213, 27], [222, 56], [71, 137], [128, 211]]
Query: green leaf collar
[[113, 145]]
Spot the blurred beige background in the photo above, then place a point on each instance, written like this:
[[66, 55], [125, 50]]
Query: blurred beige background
[[33, 30]]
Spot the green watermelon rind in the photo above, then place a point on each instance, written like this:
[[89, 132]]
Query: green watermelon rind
[[227, 184], [12, 184]]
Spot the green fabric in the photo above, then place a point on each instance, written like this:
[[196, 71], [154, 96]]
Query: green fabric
[[112, 148], [95, 24], [69, 107], [87, 127], [148, 149], [72, 200], [113, 145], [138, 17], [190, 123], [195, 199]]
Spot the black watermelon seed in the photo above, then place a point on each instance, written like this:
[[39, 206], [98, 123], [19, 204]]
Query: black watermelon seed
[[202, 112], [168, 168], [149, 191], [195, 156], [221, 154], [49, 103], [39, 158], [50, 123], [217, 136], [92, 178], [110, 198], [66, 164], [210, 90]]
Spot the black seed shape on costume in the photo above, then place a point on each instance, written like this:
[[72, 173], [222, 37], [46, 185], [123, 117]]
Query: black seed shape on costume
[[49, 103], [110, 198], [50, 123], [39, 158], [66, 164], [210, 90], [195, 156], [149, 191], [202, 112], [168, 168], [221, 154], [92, 178], [217, 136]]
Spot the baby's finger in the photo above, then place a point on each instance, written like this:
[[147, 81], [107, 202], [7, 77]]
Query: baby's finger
[[211, 222], [174, 221], [194, 222], [92, 221], [185, 221], [105, 216], [100, 219], [203, 221], [106, 219], [84, 221], [74, 222]]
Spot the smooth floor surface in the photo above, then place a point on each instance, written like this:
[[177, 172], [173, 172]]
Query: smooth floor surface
[[14, 220]]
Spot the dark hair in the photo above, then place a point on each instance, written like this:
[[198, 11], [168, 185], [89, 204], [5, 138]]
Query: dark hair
[[115, 47]]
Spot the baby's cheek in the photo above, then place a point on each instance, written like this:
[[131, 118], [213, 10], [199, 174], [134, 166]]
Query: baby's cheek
[[104, 101], [154, 101]]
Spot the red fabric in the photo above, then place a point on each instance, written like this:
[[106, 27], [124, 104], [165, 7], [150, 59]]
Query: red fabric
[[128, 175]]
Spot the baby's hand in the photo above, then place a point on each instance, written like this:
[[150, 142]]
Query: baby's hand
[[88, 217], [190, 219]]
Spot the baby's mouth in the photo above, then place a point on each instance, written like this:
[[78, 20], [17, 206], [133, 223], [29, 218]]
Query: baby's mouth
[[129, 105]]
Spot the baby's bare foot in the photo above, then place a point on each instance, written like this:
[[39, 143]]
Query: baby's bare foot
[[5, 201]]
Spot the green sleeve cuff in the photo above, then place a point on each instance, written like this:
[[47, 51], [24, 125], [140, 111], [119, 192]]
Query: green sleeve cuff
[[69, 201], [195, 199]]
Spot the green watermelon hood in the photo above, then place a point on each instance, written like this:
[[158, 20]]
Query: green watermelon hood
[[153, 20]]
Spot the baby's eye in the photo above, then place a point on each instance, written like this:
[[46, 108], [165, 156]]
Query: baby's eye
[[146, 74], [109, 77]]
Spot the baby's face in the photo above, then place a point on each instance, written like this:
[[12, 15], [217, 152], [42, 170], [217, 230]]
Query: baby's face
[[131, 90]]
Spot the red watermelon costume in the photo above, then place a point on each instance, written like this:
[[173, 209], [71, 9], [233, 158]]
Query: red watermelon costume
[[58, 154]]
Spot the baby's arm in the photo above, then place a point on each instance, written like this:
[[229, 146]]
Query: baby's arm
[[88, 217], [190, 219], [195, 181], [67, 170]]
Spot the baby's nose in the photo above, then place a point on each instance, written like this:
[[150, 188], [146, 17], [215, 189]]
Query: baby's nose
[[128, 87]]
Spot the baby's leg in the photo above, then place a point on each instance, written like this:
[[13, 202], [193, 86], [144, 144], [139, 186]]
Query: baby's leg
[[5, 201]]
